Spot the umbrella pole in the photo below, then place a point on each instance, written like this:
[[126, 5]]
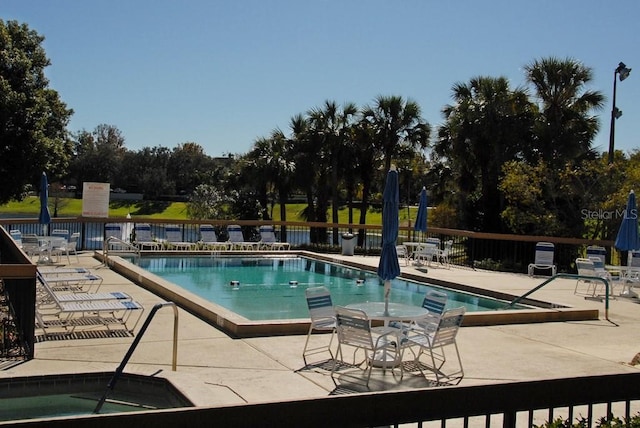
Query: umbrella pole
[[387, 291]]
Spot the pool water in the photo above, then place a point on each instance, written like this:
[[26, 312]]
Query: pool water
[[45, 406], [270, 288], [50, 396]]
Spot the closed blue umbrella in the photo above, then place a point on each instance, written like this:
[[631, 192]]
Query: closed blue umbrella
[[421, 217], [389, 268], [628, 238], [44, 218]]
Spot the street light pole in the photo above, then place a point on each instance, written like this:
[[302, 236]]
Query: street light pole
[[623, 72]]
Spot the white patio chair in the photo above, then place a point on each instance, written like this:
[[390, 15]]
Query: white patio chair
[[443, 255], [632, 276], [16, 235], [595, 268], [434, 301], [70, 246], [60, 233], [543, 258], [426, 253], [381, 345], [403, 254], [31, 245], [323, 319], [434, 344]]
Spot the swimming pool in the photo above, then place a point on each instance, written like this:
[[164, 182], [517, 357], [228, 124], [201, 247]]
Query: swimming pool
[[273, 287], [237, 325]]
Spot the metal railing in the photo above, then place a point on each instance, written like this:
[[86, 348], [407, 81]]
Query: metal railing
[[115, 245], [569, 276], [134, 345], [503, 252], [507, 405]]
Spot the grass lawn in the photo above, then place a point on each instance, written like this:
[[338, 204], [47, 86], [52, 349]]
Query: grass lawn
[[30, 207]]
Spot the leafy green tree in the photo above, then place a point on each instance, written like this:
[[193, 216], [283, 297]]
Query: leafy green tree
[[207, 202], [523, 186], [33, 119], [188, 167], [148, 167], [270, 166], [99, 155]]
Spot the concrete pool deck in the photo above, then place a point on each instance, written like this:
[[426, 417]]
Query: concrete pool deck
[[214, 369]]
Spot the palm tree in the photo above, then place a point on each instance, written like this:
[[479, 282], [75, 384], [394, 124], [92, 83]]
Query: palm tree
[[397, 123], [330, 124], [565, 127], [487, 125], [307, 156], [369, 156]]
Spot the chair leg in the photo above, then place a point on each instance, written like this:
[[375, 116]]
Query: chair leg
[[310, 351]]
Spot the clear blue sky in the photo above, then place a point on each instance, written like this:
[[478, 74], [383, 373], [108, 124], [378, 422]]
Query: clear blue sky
[[223, 73]]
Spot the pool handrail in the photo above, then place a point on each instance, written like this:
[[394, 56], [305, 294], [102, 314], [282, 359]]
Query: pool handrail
[[569, 276], [120, 369], [129, 248]]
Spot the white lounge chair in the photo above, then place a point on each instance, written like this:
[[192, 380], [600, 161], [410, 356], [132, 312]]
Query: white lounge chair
[[46, 293], [209, 239], [543, 258], [268, 239], [144, 239], [434, 344], [68, 315], [236, 239], [78, 282], [380, 344], [597, 251], [323, 319], [173, 234]]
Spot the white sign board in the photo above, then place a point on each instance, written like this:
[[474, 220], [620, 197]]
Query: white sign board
[[95, 199]]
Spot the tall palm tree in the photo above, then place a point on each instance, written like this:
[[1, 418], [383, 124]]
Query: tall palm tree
[[369, 157], [271, 169], [487, 125], [565, 127], [309, 167], [330, 123], [397, 123]]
